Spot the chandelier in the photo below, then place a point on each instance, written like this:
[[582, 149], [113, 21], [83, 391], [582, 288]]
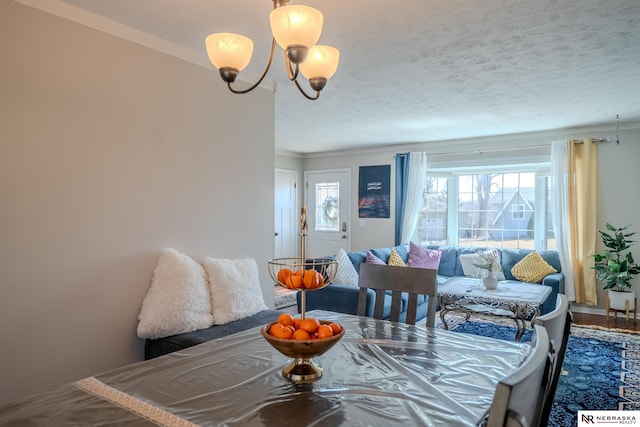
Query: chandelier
[[296, 29]]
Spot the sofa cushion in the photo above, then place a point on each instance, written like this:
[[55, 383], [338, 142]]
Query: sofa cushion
[[372, 259], [385, 253], [395, 259], [346, 274], [448, 260], [470, 263], [420, 257], [511, 257], [357, 258], [158, 347], [532, 268]]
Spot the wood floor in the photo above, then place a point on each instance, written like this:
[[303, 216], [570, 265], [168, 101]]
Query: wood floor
[[613, 323]]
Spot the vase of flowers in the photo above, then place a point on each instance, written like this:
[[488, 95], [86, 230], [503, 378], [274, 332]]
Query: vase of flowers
[[491, 266]]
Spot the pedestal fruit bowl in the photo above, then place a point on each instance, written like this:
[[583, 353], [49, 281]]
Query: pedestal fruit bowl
[[303, 275], [302, 369]]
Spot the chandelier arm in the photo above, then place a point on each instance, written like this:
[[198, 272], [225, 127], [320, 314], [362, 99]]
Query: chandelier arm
[[264, 73], [291, 73], [304, 93]]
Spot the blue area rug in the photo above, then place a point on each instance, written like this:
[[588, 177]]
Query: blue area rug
[[601, 367]]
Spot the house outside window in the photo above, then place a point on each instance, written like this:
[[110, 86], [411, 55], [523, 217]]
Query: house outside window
[[517, 212], [487, 208]]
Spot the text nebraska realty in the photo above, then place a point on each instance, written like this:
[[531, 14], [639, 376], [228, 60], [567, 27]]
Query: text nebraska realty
[[609, 419]]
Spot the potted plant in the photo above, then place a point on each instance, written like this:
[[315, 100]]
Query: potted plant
[[616, 267]]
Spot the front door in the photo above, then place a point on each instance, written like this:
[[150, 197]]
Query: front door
[[328, 214]]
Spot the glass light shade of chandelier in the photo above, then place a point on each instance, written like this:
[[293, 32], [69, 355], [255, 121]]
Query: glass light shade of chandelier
[[229, 52], [296, 29], [296, 26], [321, 64]]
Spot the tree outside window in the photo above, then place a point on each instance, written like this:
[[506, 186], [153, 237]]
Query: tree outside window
[[491, 210]]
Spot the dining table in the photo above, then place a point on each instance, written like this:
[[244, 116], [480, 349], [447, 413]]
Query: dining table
[[380, 373]]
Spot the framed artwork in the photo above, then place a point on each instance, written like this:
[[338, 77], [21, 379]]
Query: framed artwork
[[374, 191]]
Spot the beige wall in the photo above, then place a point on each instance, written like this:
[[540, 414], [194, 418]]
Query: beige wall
[[110, 152], [618, 176]]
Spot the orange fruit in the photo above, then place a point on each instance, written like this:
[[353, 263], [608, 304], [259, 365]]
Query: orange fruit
[[325, 331], [280, 331], [295, 281], [335, 328], [296, 322], [276, 329], [309, 324], [283, 276], [312, 279], [285, 319], [301, 334]]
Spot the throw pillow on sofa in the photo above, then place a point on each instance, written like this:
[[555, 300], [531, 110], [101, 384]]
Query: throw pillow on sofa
[[372, 259], [346, 274], [235, 289], [395, 259], [532, 268], [423, 257], [178, 298]]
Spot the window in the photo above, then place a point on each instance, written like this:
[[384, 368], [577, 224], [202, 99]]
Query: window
[[487, 208], [432, 225], [327, 206], [517, 212]]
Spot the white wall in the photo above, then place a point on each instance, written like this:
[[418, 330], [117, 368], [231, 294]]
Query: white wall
[[370, 232], [619, 191], [110, 152], [618, 175]]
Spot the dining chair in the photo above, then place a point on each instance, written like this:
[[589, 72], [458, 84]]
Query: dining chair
[[558, 326], [519, 397], [398, 280]]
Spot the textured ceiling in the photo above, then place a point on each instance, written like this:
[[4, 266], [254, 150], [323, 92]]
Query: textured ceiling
[[426, 70]]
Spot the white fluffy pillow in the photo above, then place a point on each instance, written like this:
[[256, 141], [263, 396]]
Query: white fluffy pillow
[[178, 299], [346, 274], [235, 289]]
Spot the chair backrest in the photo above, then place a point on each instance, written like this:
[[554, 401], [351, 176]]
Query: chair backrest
[[519, 397], [413, 281], [558, 326]]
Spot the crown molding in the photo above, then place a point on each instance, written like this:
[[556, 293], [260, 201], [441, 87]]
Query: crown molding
[[495, 142]]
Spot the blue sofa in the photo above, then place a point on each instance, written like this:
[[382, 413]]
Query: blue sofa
[[344, 299]]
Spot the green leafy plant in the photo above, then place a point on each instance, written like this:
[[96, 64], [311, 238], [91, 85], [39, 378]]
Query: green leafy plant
[[615, 267]]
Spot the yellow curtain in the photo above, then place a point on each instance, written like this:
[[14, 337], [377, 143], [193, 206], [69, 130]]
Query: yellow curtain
[[583, 173]]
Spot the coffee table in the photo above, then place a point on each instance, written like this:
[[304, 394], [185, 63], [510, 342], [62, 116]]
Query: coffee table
[[519, 301]]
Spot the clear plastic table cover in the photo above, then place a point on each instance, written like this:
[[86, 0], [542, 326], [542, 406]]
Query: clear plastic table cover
[[379, 374]]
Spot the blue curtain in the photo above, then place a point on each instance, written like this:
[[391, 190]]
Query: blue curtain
[[402, 180]]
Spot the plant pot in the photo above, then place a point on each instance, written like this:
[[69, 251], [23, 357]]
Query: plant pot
[[617, 299], [490, 281]]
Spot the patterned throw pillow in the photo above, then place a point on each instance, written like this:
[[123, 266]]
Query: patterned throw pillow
[[395, 259], [423, 257], [532, 268], [346, 274]]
